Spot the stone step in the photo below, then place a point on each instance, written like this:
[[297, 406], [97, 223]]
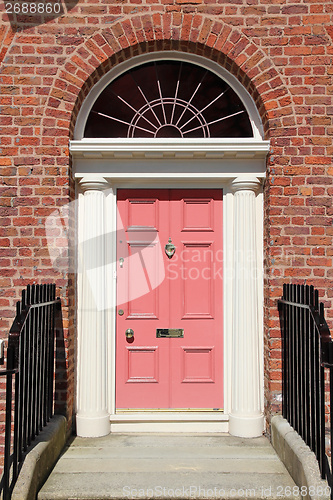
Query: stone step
[[169, 466]]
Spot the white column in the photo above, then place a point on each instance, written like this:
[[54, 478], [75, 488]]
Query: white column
[[246, 416], [92, 419]]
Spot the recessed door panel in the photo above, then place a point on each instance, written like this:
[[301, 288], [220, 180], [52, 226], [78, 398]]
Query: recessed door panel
[[142, 272], [198, 214], [142, 210], [171, 297], [198, 364], [142, 364], [197, 282]]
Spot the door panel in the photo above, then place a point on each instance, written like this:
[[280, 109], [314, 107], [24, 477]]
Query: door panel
[[142, 363], [183, 292], [197, 284], [196, 362]]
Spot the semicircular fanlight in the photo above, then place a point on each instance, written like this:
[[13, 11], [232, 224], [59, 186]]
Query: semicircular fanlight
[[168, 99]]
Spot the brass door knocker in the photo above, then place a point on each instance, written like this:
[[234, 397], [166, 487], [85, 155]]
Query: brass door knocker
[[170, 248]]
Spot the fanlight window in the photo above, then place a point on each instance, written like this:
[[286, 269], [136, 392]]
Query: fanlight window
[[168, 99]]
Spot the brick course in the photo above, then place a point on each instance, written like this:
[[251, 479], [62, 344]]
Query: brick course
[[280, 51]]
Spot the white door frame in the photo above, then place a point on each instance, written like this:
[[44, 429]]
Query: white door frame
[[186, 421], [126, 178]]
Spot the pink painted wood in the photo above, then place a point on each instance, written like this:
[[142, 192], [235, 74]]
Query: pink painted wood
[[184, 291]]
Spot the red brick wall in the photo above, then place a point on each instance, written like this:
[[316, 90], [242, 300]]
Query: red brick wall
[[282, 53]]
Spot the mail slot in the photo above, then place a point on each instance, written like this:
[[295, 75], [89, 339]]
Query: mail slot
[[169, 332]]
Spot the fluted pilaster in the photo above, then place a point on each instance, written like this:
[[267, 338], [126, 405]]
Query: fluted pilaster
[[246, 416], [92, 418]]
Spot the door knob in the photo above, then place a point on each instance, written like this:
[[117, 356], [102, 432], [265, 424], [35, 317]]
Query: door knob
[[129, 333]]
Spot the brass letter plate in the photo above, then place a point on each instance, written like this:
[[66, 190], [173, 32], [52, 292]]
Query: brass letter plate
[[169, 332]]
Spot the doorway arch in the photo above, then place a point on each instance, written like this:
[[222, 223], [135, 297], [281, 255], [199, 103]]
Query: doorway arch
[[236, 166]]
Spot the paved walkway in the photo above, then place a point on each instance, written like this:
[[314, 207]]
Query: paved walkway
[[168, 466]]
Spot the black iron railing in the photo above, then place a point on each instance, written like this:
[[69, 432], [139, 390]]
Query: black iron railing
[[30, 368], [307, 350]]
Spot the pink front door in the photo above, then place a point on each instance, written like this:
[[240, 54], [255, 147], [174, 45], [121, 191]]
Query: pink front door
[[173, 304]]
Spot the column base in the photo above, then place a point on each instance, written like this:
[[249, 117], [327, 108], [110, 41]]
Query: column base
[[92, 426], [246, 426]]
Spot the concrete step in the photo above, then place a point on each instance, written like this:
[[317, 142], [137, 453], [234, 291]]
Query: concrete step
[[165, 466]]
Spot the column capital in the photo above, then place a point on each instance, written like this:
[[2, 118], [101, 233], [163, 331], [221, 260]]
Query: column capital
[[245, 183], [93, 184]]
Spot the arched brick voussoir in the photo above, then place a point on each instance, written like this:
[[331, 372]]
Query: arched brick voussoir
[[6, 37], [192, 33]]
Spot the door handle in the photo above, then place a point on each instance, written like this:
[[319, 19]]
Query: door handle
[[129, 333]]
